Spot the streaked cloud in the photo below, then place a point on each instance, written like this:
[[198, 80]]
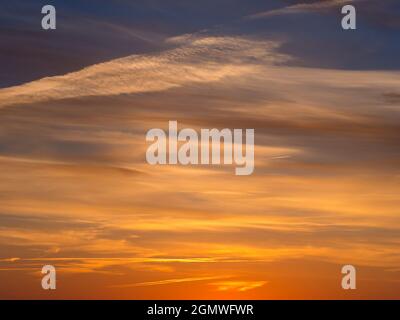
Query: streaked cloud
[[168, 281], [238, 285], [302, 7], [199, 60]]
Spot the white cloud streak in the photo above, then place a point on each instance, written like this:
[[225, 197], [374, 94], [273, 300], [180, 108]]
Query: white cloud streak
[[195, 60], [301, 8]]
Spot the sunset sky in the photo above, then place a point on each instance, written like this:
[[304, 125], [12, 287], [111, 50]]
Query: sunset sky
[[76, 191]]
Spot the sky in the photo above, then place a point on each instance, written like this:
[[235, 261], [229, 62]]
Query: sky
[[77, 193]]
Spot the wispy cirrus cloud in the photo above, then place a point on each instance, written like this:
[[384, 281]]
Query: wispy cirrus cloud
[[302, 7], [169, 281], [241, 286], [194, 60]]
